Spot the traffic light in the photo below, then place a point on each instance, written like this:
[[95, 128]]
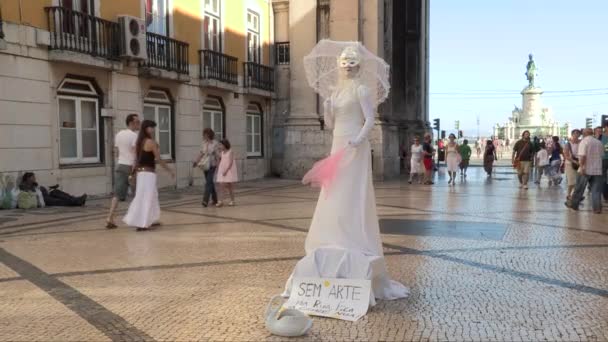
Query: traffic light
[[604, 122], [457, 124], [588, 123], [459, 134], [442, 134], [436, 124]]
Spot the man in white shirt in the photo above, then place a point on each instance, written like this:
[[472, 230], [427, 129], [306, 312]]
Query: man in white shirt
[[124, 146], [590, 153]]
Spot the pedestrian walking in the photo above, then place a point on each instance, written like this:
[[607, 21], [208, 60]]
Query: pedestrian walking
[[555, 162], [427, 151], [541, 161], [124, 147], [465, 154], [489, 156], [572, 162], [416, 166], [590, 153], [605, 160], [207, 161], [144, 210], [227, 173], [452, 158], [522, 159]]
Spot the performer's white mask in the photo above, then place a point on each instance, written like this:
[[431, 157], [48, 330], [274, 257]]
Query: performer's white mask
[[349, 58]]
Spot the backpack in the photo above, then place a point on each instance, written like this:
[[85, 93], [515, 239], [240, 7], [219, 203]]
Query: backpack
[[27, 200]]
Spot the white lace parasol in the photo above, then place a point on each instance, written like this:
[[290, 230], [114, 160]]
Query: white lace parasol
[[323, 69]]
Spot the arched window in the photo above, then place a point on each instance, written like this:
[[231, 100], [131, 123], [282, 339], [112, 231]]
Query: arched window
[[254, 131], [157, 107], [213, 116], [79, 132]]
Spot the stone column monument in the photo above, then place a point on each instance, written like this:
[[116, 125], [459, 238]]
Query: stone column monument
[[531, 98]]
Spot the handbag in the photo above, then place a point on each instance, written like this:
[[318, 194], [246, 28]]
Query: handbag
[[517, 161], [205, 163]]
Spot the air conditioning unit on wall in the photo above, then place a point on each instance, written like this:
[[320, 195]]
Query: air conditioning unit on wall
[[133, 35]]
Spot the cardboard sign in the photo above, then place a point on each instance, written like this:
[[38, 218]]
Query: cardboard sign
[[346, 299]]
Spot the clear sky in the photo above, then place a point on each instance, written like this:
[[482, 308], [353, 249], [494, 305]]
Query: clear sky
[[479, 50]]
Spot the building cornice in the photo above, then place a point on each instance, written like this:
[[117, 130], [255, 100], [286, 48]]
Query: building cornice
[[280, 6]]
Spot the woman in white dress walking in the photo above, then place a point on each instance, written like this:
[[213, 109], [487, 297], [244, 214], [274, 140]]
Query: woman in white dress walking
[[416, 167], [452, 158], [144, 210]]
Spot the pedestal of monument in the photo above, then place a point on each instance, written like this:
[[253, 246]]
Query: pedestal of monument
[[532, 107]]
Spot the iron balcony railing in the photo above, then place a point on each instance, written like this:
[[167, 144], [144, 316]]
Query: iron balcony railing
[[218, 66], [282, 53], [258, 76], [166, 53], [81, 32]]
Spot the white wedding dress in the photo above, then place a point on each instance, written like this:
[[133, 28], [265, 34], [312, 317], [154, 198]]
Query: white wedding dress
[[344, 237]]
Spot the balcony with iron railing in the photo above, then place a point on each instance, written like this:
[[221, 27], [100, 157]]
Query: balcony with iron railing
[[258, 76], [81, 32], [166, 53], [218, 66]]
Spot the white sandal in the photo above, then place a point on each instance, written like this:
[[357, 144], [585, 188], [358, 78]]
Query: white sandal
[[288, 322]]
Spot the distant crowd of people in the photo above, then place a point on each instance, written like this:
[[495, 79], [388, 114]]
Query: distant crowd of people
[[584, 162], [581, 159]]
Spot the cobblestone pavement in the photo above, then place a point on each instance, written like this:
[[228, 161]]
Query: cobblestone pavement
[[485, 261]]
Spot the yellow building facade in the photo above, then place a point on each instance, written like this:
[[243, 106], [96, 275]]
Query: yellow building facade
[[72, 70]]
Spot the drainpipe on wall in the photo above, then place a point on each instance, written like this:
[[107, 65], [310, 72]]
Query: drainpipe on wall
[[1, 31]]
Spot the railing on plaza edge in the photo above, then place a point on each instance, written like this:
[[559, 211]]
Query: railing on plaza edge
[[258, 76], [218, 66], [281, 53], [81, 32], [166, 53]]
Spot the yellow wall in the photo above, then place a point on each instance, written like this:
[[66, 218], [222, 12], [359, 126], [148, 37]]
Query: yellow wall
[[187, 21], [235, 30], [187, 25], [235, 26], [109, 10], [265, 28], [31, 13]]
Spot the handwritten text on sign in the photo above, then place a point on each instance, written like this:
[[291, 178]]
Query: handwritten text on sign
[[346, 299]]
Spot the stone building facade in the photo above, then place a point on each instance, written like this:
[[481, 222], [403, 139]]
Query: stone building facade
[[65, 87], [396, 30]]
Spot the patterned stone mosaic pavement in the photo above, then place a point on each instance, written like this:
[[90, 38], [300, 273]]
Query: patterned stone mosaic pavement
[[485, 261]]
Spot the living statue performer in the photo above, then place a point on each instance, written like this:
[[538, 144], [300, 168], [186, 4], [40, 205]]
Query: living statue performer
[[344, 237]]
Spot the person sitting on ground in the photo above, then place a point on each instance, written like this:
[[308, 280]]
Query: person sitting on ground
[[54, 198], [30, 195]]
